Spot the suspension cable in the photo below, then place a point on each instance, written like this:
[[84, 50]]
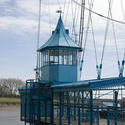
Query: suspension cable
[[81, 29], [113, 28], [73, 18], [116, 47], [99, 67], [94, 42], [86, 37], [38, 40], [64, 6], [121, 22], [59, 4], [106, 32], [121, 65], [124, 56], [123, 13], [67, 12]]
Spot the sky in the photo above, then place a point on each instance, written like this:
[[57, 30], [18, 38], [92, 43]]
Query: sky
[[18, 35]]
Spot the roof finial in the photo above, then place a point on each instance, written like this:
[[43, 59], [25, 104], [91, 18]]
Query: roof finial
[[59, 11]]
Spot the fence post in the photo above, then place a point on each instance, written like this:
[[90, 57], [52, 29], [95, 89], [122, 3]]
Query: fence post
[[91, 107]]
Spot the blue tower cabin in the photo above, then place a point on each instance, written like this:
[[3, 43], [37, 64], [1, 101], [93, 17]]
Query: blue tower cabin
[[59, 57], [58, 97]]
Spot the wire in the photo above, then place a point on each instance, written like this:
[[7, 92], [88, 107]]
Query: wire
[[86, 37], [38, 40], [121, 22], [64, 7], [74, 18], [123, 12], [59, 4], [106, 31], [94, 42], [117, 53], [67, 12], [124, 56], [49, 15]]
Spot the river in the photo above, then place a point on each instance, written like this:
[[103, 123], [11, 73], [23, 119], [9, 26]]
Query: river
[[10, 115]]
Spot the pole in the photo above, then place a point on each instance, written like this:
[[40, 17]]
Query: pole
[[38, 40], [52, 109], [91, 107]]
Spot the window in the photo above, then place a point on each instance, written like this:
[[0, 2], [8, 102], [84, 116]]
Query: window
[[70, 58], [56, 57], [41, 59], [51, 57], [65, 57], [74, 57], [47, 57], [60, 56], [44, 59]]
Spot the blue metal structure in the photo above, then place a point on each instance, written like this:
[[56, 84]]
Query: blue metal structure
[[58, 57], [58, 97]]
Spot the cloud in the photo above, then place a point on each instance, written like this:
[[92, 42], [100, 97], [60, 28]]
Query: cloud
[[21, 25], [21, 17]]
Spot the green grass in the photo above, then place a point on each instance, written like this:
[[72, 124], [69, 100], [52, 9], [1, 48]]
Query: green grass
[[9, 100]]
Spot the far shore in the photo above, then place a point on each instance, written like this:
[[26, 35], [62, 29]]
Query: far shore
[[9, 103], [9, 107]]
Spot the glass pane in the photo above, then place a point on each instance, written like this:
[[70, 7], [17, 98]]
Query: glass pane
[[47, 57], [60, 56], [44, 59], [56, 56], [74, 57], [41, 59], [65, 57], [70, 58], [51, 57]]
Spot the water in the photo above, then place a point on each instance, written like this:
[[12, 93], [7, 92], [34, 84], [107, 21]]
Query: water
[[10, 116]]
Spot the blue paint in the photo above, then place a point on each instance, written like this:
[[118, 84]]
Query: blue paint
[[58, 74]]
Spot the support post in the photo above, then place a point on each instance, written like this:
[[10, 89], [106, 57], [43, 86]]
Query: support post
[[82, 105], [115, 107], [60, 108], [79, 108], [45, 111], [98, 115], [108, 115], [91, 107], [25, 108], [30, 106], [74, 106], [52, 109], [38, 105], [68, 107]]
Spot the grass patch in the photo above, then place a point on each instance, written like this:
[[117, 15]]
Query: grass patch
[[9, 100]]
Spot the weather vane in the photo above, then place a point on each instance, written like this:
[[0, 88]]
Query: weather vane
[[59, 11]]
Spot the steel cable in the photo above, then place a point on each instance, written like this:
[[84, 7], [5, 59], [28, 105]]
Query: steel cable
[[38, 40], [86, 37], [121, 22]]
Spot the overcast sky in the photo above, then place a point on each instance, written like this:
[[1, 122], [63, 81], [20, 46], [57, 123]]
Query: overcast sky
[[18, 35]]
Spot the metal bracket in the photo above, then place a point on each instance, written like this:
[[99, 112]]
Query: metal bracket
[[99, 70], [121, 68]]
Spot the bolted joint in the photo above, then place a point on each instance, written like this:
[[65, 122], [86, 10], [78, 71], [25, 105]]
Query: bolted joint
[[120, 75], [98, 77], [100, 66], [97, 67], [123, 62], [119, 63]]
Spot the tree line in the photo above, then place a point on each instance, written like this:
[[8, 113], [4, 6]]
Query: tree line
[[9, 87]]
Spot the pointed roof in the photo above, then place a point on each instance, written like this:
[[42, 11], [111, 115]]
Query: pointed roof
[[60, 38]]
